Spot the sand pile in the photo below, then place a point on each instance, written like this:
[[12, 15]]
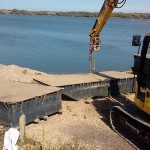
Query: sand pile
[[18, 74]]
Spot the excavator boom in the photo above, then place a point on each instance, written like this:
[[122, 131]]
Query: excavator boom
[[103, 16]]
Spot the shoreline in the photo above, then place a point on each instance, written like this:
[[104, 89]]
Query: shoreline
[[144, 16]]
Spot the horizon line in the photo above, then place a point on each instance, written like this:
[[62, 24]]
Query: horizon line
[[73, 10]]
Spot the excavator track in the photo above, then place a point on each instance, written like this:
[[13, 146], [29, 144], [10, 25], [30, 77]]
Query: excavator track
[[130, 123]]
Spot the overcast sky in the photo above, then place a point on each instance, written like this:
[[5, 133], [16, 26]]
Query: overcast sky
[[72, 5]]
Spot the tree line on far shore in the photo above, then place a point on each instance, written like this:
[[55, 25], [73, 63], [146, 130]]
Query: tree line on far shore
[[76, 14]]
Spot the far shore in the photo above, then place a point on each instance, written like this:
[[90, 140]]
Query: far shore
[[76, 14]]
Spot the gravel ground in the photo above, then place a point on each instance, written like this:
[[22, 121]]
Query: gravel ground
[[78, 122]]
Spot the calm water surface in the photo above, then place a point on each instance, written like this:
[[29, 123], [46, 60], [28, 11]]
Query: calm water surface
[[61, 44]]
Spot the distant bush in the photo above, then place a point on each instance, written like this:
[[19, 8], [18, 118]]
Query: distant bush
[[132, 15], [76, 14]]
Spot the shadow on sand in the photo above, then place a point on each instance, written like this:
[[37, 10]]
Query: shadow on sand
[[103, 107]]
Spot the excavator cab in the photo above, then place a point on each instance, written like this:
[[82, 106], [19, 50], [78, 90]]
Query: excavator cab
[[142, 70], [135, 116]]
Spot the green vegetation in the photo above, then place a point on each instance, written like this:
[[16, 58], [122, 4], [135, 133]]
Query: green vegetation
[[24, 71], [2, 131], [76, 14], [132, 15], [32, 145]]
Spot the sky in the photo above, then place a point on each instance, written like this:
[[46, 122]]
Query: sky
[[72, 5]]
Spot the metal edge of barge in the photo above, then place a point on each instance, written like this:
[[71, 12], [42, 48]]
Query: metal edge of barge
[[33, 101], [99, 84]]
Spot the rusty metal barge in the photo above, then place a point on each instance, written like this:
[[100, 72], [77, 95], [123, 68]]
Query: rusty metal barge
[[44, 97]]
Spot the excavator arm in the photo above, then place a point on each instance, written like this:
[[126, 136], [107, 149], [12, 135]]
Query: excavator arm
[[104, 14]]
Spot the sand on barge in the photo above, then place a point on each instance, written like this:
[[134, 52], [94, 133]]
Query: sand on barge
[[88, 85], [34, 101]]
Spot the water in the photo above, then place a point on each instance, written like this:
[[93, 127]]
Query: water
[[61, 44]]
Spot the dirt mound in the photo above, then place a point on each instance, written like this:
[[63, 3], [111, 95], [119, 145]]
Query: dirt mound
[[18, 74]]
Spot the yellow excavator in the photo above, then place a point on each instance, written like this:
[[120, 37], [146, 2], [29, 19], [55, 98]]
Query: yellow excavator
[[135, 116]]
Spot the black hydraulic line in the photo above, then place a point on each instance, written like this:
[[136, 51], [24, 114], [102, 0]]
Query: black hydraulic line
[[122, 2]]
